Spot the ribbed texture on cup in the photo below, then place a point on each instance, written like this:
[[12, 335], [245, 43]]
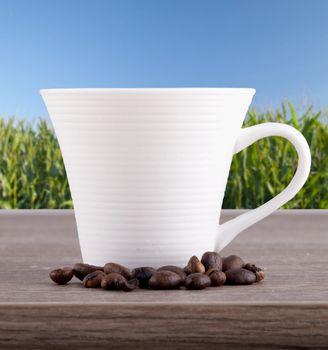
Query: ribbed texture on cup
[[147, 172]]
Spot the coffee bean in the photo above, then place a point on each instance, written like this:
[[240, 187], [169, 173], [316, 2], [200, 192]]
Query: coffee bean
[[93, 279], [212, 260], [211, 270], [194, 265], [178, 270], [165, 280], [197, 281], [81, 270], [232, 262], [217, 277], [259, 273], [62, 276], [116, 281], [208, 272], [240, 276], [143, 274], [117, 268]]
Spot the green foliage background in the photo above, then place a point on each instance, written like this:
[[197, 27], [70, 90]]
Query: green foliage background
[[32, 174]]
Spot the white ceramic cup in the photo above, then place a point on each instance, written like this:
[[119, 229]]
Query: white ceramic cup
[[147, 169]]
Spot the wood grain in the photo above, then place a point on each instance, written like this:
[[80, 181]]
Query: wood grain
[[186, 326], [288, 310]]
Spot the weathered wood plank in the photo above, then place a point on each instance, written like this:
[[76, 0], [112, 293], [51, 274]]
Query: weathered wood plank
[[293, 248], [288, 310], [185, 326]]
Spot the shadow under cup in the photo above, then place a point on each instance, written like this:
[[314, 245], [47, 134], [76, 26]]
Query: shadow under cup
[[147, 168]]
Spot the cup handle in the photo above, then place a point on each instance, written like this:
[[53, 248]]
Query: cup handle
[[229, 230]]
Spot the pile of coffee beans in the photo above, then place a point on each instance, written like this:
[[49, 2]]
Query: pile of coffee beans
[[211, 271]]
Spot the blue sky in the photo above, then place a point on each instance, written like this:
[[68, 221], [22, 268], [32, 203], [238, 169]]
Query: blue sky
[[278, 47]]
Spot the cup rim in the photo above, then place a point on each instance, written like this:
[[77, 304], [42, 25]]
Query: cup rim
[[221, 90]]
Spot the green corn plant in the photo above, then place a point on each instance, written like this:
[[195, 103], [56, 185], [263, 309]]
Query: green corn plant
[[32, 173], [264, 169]]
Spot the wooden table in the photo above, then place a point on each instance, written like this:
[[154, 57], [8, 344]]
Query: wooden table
[[288, 310]]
